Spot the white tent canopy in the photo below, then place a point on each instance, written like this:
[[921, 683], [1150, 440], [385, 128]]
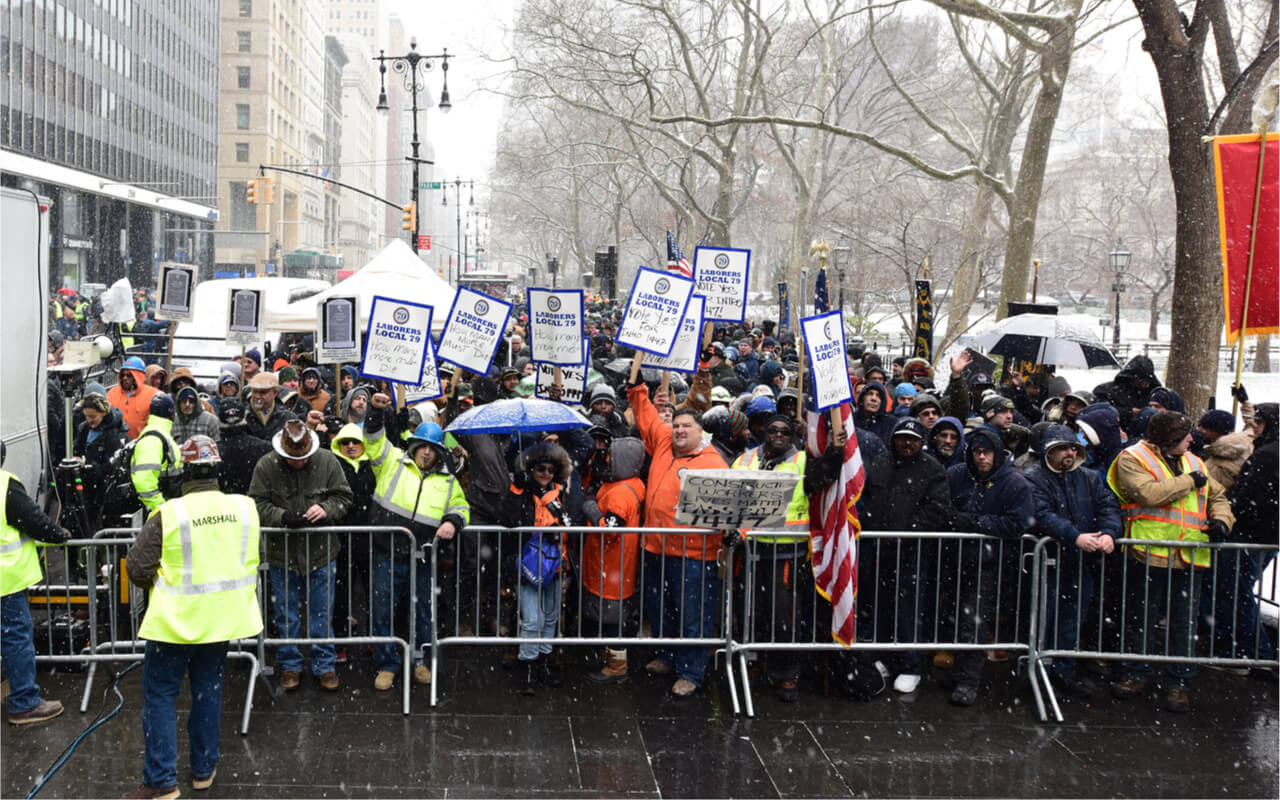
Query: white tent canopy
[[395, 272]]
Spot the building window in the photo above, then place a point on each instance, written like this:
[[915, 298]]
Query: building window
[[242, 116], [244, 41], [242, 77], [242, 151], [246, 8]]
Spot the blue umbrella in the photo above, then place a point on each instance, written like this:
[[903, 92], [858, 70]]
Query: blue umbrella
[[519, 415]]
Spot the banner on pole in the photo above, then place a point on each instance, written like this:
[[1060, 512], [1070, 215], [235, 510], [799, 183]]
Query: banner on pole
[[1235, 162], [338, 330], [652, 317], [244, 316], [396, 341], [924, 321], [684, 355], [723, 275], [177, 292], [784, 308], [824, 343], [555, 326], [473, 330], [573, 380]]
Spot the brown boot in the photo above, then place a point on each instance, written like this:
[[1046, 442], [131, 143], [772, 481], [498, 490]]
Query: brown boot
[[614, 669]]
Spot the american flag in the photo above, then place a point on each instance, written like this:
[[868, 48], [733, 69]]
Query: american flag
[[834, 526], [676, 262], [821, 300]]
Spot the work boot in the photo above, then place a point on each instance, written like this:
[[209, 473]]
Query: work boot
[[421, 675], [383, 680], [964, 695], [47, 710], [200, 784], [145, 792], [290, 679], [1177, 700], [529, 678], [614, 669], [944, 660], [1127, 688], [659, 667], [683, 687], [1072, 686], [788, 690], [329, 681]]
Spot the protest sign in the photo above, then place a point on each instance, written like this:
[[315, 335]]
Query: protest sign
[[397, 340], [573, 380], [824, 343], [473, 330], [429, 386], [722, 275], [652, 318], [729, 499], [684, 356], [177, 289], [337, 331], [555, 326], [244, 316]]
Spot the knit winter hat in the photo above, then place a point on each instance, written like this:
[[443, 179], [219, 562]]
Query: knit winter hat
[[1219, 421], [737, 423], [1167, 428]]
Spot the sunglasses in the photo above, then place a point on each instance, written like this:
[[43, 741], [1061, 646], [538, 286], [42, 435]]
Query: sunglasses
[[544, 469], [929, 412], [350, 443], [779, 431]]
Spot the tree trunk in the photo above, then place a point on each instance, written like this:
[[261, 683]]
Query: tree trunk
[[1262, 357], [973, 250], [1153, 327]]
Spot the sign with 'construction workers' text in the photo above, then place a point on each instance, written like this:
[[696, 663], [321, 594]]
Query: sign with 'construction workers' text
[[396, 341], [684, 356], [555, 326], [652, 318], [573, 380], [730, 499], [722, 275], [824, 341], [473, 330]]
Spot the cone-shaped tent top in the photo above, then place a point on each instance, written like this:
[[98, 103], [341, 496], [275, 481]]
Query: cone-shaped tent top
[[394, 272]]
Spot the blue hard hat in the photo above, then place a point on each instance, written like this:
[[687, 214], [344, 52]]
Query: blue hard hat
[[134, 363], [761, 405], [426, 433]]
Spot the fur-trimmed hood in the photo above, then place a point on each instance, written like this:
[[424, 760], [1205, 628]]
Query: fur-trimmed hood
[[547, 451]]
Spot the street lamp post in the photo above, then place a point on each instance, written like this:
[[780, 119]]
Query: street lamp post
[[408, 66], [1119, 260], [458, 183], [841, 254]]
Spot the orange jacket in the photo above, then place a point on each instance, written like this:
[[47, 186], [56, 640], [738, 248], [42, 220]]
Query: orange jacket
[[134, 408], [608, 558], [663, 490]]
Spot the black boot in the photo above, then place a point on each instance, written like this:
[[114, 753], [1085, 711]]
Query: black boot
[[529, 677], [552, 675]]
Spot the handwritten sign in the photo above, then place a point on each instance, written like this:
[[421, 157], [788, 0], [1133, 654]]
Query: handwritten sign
[[429, 386], [722, 275], [555, 326], [473, 330], [729, 499], [244, 316], [396, 341], [652, 318], [824, 340], [337, 330], [177, 288], [573, 380], [684, 356]]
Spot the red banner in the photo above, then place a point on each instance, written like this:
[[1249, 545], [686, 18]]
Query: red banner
[[1235, 161]]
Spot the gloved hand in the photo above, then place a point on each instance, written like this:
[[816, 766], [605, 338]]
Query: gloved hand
[[292, 519], [964, 522], [1217, 530], [704, 358], [731, 538], [1200, 478], [1239, 393], [67, 535]]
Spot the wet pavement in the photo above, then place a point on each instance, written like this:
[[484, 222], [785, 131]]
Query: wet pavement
[[635, 740]]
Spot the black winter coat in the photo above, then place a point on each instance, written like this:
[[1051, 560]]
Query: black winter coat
[[1073, 502], [1254, 495], [905, 495], [1000, 505], [240, 452], [112, 435]]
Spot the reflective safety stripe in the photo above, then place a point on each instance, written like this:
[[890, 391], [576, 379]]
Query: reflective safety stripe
[[189, 586], [146, 468], [1175, 516], [149, 494], [13, 547]]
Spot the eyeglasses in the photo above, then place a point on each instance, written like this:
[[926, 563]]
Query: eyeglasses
[[929, 412], [543, 469], [778, 432]]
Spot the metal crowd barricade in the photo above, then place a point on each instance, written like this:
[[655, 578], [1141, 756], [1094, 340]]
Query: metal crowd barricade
[[481, 592], [916, 591], [1119, 608]]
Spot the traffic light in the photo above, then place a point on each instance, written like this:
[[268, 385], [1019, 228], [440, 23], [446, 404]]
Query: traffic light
[[410, 217], [268, 190], [251, 194]]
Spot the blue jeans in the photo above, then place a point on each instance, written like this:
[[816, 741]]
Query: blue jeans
[[539, 616], [390, 580], [287, 594], [164, 668], [681, 599], [19, 652], [1149, 595], [1237, 631]]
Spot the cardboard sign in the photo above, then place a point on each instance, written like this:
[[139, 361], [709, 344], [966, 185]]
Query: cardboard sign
[[555, 326], [824, 341], [684, 356], [652, 318], [729, 499], [473, 330], [337, 330], [429, 386], [396, 341], [244, 316], [177, 290], [573, 380], [722, 275]]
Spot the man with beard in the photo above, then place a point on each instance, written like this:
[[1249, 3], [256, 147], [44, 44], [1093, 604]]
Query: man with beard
[[946, 441], [312, 389], [131, 396], [355, 405], [266, 417]]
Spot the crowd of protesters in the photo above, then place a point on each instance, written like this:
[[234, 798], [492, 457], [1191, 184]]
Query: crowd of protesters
[[948, 451]]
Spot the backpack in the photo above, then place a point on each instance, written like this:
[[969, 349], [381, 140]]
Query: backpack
[[540, 559], [122, 497]]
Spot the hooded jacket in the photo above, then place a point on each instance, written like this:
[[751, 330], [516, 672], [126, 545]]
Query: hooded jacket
[[881, 422], [345, 410], [1072, 502], [609, 559], [1104, 420], [97, 454], [135, 407], [240, 451], [1226, 456], [958, 427], [359, 474], [1125, 397], [199, 423], [1254, 497], [997, 505]]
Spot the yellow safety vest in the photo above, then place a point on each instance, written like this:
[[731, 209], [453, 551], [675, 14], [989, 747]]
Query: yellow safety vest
[[402, 490], [206, 587], [1182, 520], [126, 341], [798, 510], [19, 562], [155, 459]]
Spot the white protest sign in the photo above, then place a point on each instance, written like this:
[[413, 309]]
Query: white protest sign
[[244, 316], [684, 356], [473, 330], [177, 289], [573, 380], [429, 384], [824, 342], [337, 330], [652, 317], [729, 499], [555, 326], [396, 341], [722, 275]]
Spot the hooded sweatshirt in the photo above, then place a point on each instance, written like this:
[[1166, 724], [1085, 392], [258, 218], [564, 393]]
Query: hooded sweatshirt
[[134, 406], [359, 473], [881, 422], [999, 504], [943, 424], [609, 559], [1072, 502]]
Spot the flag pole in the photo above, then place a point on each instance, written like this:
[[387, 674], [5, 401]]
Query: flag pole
[[804, 287], [1248, 279]]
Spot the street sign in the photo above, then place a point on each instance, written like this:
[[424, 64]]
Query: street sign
[[424, 241], [426, 186]]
